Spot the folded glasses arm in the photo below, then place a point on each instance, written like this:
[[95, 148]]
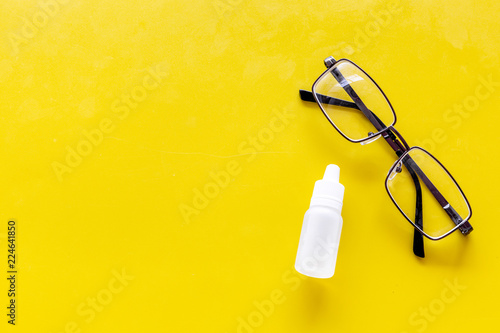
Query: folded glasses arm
[[418, 239], [309, 97]]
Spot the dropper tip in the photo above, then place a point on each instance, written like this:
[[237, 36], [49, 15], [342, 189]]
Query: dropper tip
[[332, 173]]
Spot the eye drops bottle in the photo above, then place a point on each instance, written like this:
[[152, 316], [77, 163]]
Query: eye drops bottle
[[320, 235]]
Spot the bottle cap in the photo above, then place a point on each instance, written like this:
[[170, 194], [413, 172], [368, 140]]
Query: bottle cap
[[329, 188]]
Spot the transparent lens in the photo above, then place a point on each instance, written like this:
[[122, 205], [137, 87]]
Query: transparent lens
[[419, 174], [340, 108]]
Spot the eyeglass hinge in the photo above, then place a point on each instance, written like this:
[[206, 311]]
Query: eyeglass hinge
[[329, 61], [466, 228]]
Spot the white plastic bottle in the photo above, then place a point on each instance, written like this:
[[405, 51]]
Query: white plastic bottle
[[320, 236]]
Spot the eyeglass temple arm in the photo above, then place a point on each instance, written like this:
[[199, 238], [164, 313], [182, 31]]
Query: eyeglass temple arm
[[418, 238], [309, 97]]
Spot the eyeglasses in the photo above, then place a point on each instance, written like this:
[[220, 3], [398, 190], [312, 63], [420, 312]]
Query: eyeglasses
[[419, 185]]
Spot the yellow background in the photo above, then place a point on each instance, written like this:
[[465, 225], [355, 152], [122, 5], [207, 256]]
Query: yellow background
[[227, 68]]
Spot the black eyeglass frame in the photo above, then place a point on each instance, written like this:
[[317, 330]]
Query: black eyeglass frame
[[391, 135]]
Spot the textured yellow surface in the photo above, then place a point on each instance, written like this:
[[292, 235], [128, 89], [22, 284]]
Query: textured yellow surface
[[116, 115]]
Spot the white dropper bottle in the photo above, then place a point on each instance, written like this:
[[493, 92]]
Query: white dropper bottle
[[320, 235]]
